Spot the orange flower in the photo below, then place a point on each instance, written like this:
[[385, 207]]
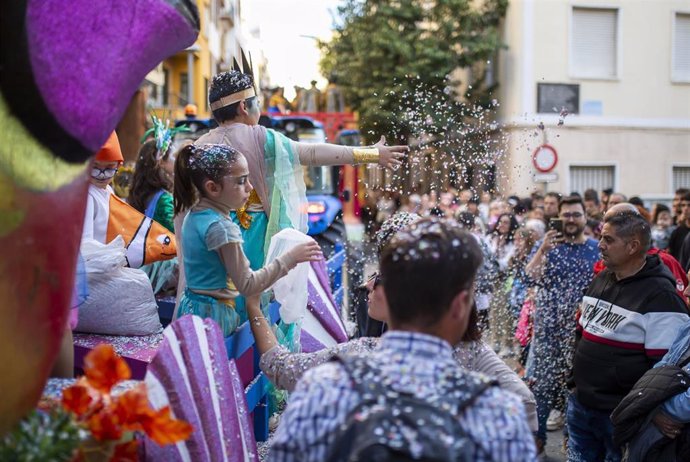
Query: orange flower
[[104, 425], [131, 406], [104, 368], [76, 399], [108, 418], [126, 452], [163, 429]]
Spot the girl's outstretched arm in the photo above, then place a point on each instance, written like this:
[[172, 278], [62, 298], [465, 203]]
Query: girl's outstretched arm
[[250, 282]]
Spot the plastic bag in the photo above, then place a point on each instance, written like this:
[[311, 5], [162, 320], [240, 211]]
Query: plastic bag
[[290, 290], [103, 258], [120, 299]]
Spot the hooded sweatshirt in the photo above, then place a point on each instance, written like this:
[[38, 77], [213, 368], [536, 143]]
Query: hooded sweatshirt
[[627, 325]]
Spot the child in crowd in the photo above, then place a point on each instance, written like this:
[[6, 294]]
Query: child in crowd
[[151, 194], [152, 184], [107, 161], [212, 180], [663, 227]]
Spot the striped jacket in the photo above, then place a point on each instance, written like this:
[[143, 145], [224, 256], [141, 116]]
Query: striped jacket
[[626, 327]]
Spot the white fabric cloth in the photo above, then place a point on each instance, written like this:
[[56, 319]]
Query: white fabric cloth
[[97, 213], [291, 290]]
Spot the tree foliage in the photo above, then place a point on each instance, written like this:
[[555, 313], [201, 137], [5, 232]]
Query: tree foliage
[[386, 53]]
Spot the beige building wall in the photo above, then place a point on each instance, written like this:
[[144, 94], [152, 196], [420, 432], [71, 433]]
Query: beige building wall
[[643, 129]]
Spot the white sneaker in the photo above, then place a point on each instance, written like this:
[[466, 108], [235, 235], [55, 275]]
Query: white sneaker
[[555, 421]]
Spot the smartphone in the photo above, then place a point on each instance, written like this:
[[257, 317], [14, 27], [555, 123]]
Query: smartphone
[[557, 224]]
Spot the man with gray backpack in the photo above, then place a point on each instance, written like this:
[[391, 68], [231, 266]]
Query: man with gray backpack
[[409, 399]]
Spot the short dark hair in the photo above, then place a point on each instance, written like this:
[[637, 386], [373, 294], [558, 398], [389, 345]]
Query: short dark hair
[[571, 200], [523, 205], [593, 223], [227, 83], [658, 209], [682, 191], [424, 267], [591, 195], [553, 194], [630, 224], [466, 220], [685, 197], [636, 200]]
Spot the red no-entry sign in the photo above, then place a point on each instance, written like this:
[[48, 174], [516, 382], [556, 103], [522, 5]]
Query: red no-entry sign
[[544, 158]]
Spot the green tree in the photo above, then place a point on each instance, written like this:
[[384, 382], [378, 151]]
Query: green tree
[[396, 61]]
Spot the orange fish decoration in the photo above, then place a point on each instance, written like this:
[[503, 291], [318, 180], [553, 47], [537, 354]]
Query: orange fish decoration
[[146, 240]]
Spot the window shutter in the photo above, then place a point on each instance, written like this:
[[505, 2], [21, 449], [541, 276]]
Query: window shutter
[[585, 177], [681, 177], [593, 43], [681, 48]]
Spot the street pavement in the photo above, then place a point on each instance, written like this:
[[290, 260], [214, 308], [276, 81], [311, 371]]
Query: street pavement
[[554, 447]]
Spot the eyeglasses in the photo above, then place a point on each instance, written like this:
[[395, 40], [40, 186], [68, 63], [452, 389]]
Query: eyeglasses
[[572, 215], [376, 278], [103, 173]]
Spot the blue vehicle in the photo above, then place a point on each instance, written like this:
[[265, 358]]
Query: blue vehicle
[[324, 208]]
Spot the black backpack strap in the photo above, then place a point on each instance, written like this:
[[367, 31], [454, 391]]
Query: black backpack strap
[[685, 358]]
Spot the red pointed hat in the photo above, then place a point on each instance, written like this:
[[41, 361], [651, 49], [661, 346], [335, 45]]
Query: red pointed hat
[[111, 152]]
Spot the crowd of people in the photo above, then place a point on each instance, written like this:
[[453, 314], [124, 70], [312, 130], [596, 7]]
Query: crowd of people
[[541, 254], [503, 317]]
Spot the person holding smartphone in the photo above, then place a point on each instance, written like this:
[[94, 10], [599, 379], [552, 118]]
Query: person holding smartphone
[[561, 266]]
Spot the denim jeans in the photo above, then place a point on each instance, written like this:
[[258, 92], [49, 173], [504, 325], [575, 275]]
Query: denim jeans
[[591, 434]]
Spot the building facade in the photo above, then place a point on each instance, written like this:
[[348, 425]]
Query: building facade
[[184, 78], [606, 83]]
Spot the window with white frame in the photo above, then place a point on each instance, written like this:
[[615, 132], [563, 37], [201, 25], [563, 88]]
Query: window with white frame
[[681, 177], [680, 71], [597, 177], [594, 42]]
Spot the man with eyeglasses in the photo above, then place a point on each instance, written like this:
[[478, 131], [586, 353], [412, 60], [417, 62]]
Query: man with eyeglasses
[[561, 266]]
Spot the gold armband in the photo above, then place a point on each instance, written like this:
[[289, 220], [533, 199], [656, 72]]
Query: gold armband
[[365, 155]]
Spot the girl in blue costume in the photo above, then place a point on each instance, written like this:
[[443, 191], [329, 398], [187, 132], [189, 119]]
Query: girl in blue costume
[[212, 180]]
